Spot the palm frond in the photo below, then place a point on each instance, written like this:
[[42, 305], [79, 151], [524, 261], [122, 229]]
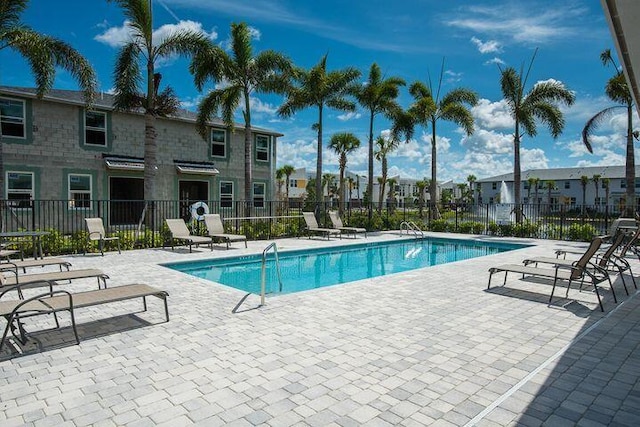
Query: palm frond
[[551, 116], [511, 86], [10, 13], [526, 119], [183, 43], [460, 96], [341, 104], [618, 91], [72, 61], [127, 78], [138, 13], [553, 91], [241, 44], [594, 123], [419, 90], [40, 59], [167, 102], [208, 64], [208, 108], [459, 114]]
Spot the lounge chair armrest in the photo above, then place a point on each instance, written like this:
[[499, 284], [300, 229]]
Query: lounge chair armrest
[[18, 287], [100, 236]]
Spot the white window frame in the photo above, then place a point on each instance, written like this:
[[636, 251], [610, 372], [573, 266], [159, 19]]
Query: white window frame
[[223, 143], [262, 196], [226, 195], [71, 193], [262, 149], [95, 129], [8, 191], [22, 119]]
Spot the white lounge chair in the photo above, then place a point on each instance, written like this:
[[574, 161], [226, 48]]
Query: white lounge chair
[[95, 227], [337, 224], [313, 227], [215, 229], [180, 231]]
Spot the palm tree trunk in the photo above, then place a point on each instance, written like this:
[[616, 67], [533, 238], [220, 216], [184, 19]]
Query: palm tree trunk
[[383, 184], [370, 168], [248, 156], [287, 190], [319, 163], [150, 156], [434, 183], [516, 174], [341, 191], [630, 168]]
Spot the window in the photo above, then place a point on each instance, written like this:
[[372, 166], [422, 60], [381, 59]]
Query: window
[[12, 118], [293, 183], [258, 195], [494, 185], [637, 183], [526, 185], [79, 191], [226, 194], [218, 143], [567, 184], [95, 128], [262, 148], [623, 183], [19, 188]]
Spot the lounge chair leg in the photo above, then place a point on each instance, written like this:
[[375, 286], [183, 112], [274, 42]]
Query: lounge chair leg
[[504, 283], [144, 303], [553, 289], [598, 295], [613, 291], [490, 276], [166, 307]]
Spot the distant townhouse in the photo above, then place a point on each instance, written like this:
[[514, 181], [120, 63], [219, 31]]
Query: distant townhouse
[[54, 148], [567, 186]]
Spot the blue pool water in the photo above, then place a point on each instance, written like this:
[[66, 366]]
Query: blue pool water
[[309, 269]]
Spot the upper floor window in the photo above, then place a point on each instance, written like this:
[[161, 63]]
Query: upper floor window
[[567, 184], [79, 191], [258, 194], [13, 118], [218, 143], [95, 128], [623, 183], [226, 194], [293, 183], [20, 188], [494, 185], [262, 148]]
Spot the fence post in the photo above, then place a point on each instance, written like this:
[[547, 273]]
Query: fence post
[[561, 222]]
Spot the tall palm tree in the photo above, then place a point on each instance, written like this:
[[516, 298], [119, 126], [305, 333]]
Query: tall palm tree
[[328, 182], [618, 91], [243, 74], [351, 182], [43, 54], [135, 64], [549, 186], [288, 170], [596, 179], [584, 181], [391, 198], [538, 104], [471, 179], [421, 186], [343, 144], [321, 89], [532, 182], [279, 181], [384, 146], [606, 184], [429, 107], [378, 96]]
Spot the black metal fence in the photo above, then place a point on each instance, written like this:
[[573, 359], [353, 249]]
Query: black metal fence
[[141, 224]]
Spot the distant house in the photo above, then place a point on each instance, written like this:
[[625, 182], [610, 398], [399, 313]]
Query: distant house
[[54, 148], [567, 183]]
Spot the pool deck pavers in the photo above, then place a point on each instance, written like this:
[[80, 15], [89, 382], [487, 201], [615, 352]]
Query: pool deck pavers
[[424, 347]]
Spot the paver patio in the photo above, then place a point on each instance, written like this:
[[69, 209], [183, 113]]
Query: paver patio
[[424, 347]]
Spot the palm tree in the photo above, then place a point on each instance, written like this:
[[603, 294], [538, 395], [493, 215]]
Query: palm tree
[[321, 89], [471, 179], [606, 184], [391, 198], [279, 181], [43, 54], [350, 181], [343, 144], [378, 96], [596, 179], [539, 104], [243, 74], [532, 182], [463, 191], [288, 170], [584, 181], [427, 110], [384, 147], [549, 186], [421, 186], [328, 182], [618, 91], [536, 184], [128, 75]]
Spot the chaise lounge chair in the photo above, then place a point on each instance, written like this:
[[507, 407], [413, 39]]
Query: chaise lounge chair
[[179, 231], [95, 227], [606, 260], [215, 229], [578, 271], [22, 281], [337, 224], [313, 227], [14, 265], [53, 302]]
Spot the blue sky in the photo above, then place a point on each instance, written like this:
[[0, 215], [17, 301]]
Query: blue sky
[[408, 39]]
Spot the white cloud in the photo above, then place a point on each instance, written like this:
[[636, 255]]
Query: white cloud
[[495, 60], [490, 46], [353, 115], [452, 76], [118, 36], [488, 141], [442, 142], [492, 115], [300, 153], [534, 158], [258, 106], [255, 33]]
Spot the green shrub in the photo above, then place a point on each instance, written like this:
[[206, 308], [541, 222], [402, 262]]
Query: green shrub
[[439, 225], [471, 227], [581, 232]]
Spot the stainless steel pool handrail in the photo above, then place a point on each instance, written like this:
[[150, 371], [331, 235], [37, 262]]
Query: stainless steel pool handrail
[[263, 286], [410, 225]]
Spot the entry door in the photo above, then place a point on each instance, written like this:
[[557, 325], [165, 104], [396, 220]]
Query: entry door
[[127, 200], [191, 192]]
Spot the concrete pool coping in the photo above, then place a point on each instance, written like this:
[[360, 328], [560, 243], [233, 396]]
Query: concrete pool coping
[[428, 346]]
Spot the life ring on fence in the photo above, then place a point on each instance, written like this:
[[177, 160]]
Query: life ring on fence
[[199, 210]]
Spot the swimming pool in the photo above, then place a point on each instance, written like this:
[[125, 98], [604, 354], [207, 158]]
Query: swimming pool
[[315, 268]]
